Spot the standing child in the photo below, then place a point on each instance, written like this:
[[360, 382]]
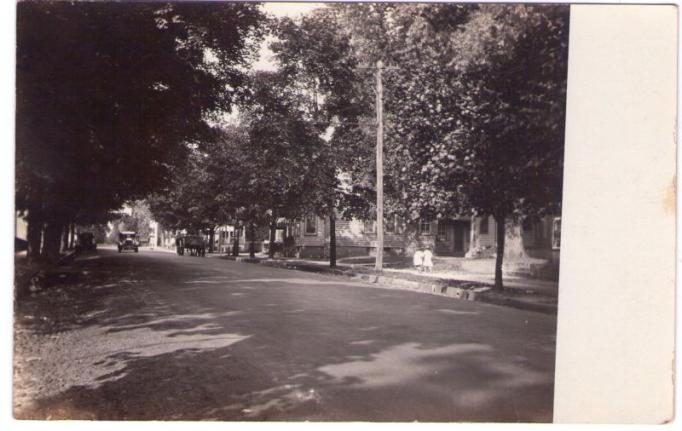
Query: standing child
[[418, 259], [427, 260]]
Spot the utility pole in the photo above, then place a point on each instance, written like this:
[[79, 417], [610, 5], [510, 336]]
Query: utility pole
[[379, 264]]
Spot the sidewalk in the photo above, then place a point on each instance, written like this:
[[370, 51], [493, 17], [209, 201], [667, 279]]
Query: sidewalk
[[523, 293]]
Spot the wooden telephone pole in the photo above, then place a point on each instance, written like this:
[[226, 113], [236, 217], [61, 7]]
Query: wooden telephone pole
[[379, 264]]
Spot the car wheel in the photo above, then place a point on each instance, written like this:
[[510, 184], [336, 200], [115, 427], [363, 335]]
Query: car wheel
[[135, 249]]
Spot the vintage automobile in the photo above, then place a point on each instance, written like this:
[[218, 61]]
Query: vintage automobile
[[128, 240], [194, 244], [85, 241]]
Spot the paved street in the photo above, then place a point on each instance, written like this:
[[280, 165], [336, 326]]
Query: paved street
[[153, 335]]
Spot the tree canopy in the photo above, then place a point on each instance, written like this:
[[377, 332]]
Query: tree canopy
[[108, 95], [474, 101], [484, 133], [119, 100]]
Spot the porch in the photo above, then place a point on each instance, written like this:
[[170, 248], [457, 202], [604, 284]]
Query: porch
[[453, 238]]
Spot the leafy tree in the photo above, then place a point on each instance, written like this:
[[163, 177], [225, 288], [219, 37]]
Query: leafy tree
[[253, 173], [137, 221], [284, 148], [191, 199], [315, 52], [229, 163], [481, 125], [107, 95], [206, 190], [474, 107]]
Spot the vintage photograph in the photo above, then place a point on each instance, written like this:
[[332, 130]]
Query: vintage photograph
[[240, 211]]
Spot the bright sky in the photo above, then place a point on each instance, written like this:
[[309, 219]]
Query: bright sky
[[293, 9], [281, 9]]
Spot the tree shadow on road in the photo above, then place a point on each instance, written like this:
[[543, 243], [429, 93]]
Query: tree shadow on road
[[144, 356]]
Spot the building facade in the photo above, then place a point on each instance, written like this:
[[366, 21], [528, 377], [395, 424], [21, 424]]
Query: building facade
[[470, 237]]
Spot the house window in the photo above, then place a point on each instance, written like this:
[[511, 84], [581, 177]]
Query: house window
[[556, 233], [425, 226], [483, 228], [442, 231], [527, 224], [311, 225], [370, 227]]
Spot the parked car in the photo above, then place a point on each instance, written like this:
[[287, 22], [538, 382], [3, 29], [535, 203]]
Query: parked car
[[128, 241], [85, 241]]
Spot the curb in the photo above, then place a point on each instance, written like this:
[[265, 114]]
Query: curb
[[419, 286], [522, 305], [479, 294], [242, 259]]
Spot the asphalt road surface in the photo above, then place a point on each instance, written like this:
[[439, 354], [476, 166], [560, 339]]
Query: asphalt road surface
[[154, 335]]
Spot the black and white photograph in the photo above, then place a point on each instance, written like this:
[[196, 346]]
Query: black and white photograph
[[266, 212]]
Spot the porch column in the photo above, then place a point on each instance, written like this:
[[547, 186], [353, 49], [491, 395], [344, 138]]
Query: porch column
[[514, 248]]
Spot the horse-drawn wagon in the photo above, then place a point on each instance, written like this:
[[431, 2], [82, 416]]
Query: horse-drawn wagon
[[193, 244]]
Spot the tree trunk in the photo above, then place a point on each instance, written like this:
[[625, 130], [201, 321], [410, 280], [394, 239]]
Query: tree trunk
[[52, 241], [34, 236], [235, 240], [211, 239], [72, 236], [500, 235], [252, 244], [273, 236], [332, 239], [65, 237]]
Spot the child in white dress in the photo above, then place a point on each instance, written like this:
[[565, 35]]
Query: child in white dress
[[427, 260], [418, 259]]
